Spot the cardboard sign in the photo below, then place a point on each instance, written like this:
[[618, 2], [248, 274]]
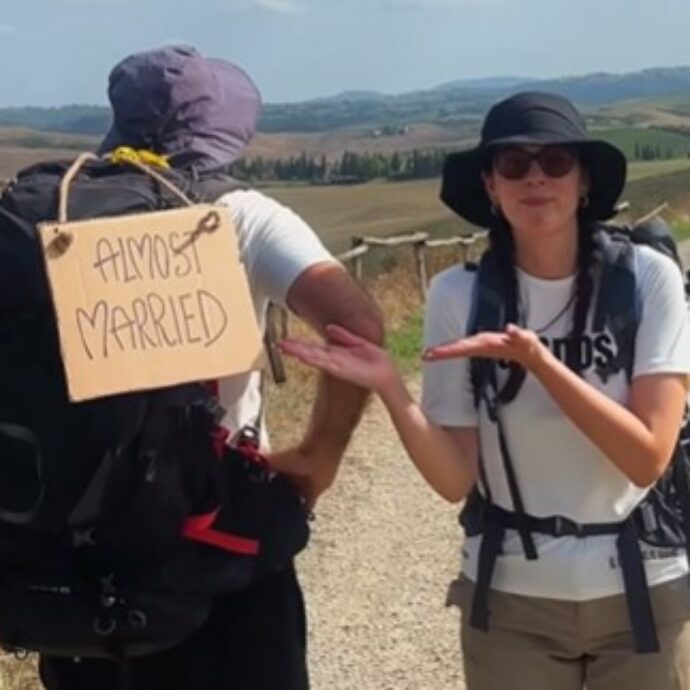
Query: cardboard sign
[[150, 300]]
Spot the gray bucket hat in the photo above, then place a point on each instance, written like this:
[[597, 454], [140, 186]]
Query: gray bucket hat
[[199, 111], [539, 119]]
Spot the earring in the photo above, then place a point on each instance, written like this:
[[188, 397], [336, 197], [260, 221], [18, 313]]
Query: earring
[[495, 209], [584, 200]]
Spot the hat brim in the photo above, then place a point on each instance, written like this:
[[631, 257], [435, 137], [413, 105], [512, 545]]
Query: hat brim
[[111, 141], [463, 191]]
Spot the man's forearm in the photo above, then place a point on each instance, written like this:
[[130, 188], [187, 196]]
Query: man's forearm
[[326, 294], [337, 410]]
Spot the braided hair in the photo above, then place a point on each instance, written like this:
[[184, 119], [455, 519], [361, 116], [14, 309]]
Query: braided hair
[[502, 246], [584, 287]]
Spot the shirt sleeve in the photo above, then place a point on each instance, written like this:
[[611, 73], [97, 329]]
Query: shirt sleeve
[[663, 335], [447, 397], [275, 244]]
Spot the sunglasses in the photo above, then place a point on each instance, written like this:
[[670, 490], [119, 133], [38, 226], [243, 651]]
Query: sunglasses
[[514, 163]]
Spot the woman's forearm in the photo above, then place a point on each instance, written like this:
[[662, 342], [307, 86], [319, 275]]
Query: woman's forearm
[[621, 435], [447, 467]]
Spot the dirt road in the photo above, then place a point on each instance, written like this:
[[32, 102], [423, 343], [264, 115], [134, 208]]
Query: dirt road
[[384, 548]]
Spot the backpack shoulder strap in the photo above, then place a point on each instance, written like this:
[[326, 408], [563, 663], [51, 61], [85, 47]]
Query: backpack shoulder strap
[[211, 186], [487, 313], [617, 306], [656, 233]]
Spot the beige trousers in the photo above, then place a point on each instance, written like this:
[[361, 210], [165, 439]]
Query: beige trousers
[[547, 644]]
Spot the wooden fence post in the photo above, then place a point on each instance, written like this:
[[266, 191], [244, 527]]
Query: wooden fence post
[[354, 256], [419, 249], [357, 261]]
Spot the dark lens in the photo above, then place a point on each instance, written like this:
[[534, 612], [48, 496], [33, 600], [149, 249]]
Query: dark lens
[[512, 163], [556, 161]]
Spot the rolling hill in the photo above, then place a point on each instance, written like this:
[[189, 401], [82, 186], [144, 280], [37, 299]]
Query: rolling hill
[[453, 102]]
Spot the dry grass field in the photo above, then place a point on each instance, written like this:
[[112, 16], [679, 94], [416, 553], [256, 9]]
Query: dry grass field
[[381, 208], [363, 139], [386, 208], [377, 208], [13, 158], [339, 213], [331, 144], [645, 113]]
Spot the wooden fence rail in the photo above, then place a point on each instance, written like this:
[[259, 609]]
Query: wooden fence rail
[[277, 317], [420, 243]]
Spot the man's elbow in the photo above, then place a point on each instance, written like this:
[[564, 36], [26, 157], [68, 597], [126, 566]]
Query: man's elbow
[[327, 294], [369, 324]]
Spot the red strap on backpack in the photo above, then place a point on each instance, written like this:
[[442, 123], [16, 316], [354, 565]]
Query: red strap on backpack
[[199, 528]]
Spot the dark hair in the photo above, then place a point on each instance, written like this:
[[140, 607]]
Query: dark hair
[[584, 286], [502, 245]]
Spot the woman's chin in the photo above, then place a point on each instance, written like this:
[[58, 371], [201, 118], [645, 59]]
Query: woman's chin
[[538, 223]]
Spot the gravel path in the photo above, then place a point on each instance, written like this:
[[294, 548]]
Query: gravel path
[[383, 551]]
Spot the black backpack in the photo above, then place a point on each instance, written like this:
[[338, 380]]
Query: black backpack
[[662, 519], [121, 517]]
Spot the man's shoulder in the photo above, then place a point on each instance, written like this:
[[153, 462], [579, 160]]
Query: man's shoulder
[[247, 197], [258, 214]]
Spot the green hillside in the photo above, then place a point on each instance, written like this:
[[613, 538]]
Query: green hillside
[[647, 143]]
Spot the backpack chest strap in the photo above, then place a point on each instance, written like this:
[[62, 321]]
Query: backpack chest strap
[[554, 526]]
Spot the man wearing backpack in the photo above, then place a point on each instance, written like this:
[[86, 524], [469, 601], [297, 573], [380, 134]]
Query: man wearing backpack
[[199, 114]]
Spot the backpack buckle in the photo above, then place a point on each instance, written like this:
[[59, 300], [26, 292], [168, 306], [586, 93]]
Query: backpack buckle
[[563, 527]]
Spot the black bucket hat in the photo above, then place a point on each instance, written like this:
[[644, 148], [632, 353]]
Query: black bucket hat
[[532, 119]]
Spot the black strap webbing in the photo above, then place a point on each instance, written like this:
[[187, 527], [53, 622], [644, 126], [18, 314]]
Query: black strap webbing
[[637, 590], [490, 547], [526, 538], [681, 482]]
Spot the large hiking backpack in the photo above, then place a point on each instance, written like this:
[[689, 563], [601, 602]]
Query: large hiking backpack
[[121, 517], [662, 519]]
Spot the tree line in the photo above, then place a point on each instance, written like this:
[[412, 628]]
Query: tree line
[[349, 167], [352, 167], [654, 152]]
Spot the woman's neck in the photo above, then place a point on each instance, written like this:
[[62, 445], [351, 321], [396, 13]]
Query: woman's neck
[[552, 257]]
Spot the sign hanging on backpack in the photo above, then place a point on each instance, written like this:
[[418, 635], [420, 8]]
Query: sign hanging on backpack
[[150, 300]]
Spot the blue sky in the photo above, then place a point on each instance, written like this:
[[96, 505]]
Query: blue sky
[[54, 52]]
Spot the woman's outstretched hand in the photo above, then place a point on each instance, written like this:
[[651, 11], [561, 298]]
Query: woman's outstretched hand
[[346, 356], [515, 344]]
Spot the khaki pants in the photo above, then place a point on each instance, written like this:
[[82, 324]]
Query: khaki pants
[[547, 644]]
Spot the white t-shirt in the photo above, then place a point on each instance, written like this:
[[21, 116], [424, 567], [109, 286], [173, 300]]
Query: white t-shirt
[[275, 246], [559, 470]]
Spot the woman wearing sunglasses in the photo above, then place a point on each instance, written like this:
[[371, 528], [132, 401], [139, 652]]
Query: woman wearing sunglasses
[[566, 447]]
